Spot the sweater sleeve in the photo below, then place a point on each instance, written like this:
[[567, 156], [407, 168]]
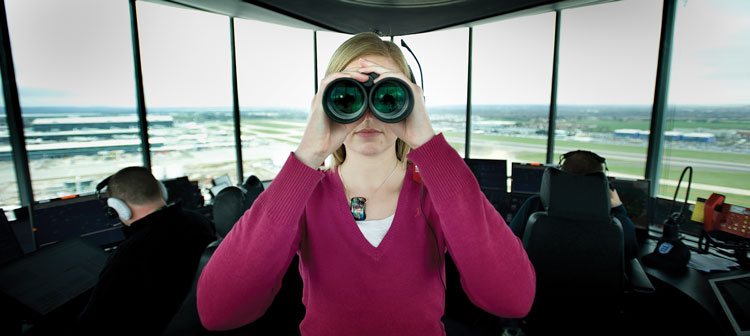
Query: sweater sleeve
[[244, 274], [496, 273]]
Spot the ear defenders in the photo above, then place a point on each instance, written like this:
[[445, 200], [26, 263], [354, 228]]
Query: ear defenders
[[345, 100], [595, 156], [117, 208]]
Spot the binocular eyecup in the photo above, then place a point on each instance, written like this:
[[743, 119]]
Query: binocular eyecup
[[345, 100]]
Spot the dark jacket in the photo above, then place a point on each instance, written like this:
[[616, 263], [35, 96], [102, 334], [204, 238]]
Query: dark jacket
[[148, 275]]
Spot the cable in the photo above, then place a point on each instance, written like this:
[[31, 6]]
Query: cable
[[421, 77], [687, 193]]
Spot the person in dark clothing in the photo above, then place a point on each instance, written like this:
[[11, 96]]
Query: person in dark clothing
[[582, 162], [149, 274]]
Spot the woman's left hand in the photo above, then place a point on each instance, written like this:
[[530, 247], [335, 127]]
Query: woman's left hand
[[416, 129]]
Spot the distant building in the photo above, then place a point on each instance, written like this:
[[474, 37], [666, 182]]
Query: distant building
[[669, 135], [65, 149], [631, 133], [79, 123], [700, 137], [672, 135]]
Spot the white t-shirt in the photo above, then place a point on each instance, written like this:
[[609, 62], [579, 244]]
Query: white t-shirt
[[374, 230]]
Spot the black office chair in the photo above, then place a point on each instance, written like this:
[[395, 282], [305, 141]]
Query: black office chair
[[231, 202], [577, 250], [228, 206], [285, 313]]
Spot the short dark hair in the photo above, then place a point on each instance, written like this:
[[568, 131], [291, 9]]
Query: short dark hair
[[581, 162], [135, 185]]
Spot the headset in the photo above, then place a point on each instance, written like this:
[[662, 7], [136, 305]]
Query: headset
[[595, 156], [117, 208], [591, 154]]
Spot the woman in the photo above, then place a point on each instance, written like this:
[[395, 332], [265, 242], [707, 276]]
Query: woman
[[384, 275]]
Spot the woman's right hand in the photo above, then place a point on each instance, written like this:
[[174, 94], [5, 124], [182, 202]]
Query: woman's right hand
[[322, 135]]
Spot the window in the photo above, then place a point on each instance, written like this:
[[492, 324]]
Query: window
[[607, 71], [187, 84], [328, 42], [9, 197], [708, 119], [74, 69], [511, 85], [276, 86], [444, 56]]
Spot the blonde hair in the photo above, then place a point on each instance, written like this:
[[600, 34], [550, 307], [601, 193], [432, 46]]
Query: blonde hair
[[355, 47]]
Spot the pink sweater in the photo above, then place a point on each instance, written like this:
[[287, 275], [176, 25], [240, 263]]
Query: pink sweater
[[351, 287]]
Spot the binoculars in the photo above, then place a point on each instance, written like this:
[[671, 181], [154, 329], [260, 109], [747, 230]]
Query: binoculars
[[345, 100]]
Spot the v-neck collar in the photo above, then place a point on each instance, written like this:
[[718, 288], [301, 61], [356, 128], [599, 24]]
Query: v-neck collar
[[351, 225]]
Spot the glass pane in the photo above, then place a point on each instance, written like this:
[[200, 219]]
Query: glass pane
[[608, 56], [444, 56], [512, 71], [708, 119], [188, 88], [275, 89], [327, 44], [74, 68], [9, 198]]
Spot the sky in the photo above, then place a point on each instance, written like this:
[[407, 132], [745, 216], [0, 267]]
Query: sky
[[79, 53]]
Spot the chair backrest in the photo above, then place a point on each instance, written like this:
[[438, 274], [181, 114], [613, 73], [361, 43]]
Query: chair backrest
[[231, 202], [281, 318], [228, 206], [576, 246]]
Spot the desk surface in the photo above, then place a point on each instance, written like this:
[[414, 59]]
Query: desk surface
[[694, 285]]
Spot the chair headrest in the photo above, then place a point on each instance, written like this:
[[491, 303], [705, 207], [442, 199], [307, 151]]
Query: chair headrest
[[573, 196], [229, 205], [253, 187]]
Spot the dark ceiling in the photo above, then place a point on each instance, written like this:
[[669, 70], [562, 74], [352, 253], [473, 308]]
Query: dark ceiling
[[386, 17]]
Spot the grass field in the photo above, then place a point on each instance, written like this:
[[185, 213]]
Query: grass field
[[713, 178], [682, 153], [611, 125]]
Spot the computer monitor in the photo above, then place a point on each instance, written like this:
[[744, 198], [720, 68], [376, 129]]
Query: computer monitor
[[733, 292], [223, 180], [491, 174], [185, 192], [83, 216], [526, 178], [634, 194], [10, 248]]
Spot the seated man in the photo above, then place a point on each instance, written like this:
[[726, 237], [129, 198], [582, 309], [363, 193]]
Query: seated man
[[149, 274], [581, 162]]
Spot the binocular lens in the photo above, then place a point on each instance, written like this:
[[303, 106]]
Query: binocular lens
[[345, 100], [347, 97], [389, 98]]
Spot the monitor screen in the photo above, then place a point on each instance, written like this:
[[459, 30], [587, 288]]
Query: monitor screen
[[526, 178], [733, 293], [185, 192], [491, 174], [634, 194], [223, 180], [9, 246], [83, 216]]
